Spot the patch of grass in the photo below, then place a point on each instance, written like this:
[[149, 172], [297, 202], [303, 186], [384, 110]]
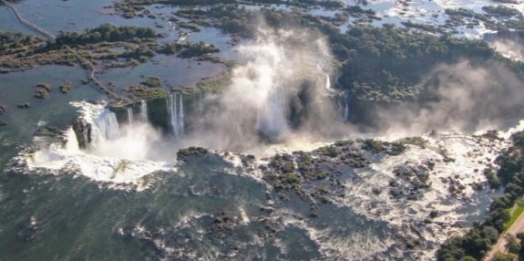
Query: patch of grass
[[515, 213], [215, 85]]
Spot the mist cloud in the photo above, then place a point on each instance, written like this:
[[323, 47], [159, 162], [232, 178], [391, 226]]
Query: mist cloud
[[279, 92], [463, 96]]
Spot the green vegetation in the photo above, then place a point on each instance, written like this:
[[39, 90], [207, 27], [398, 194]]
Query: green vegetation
[[48, 131], [214, 85], [515, 212], [378, 146], [105, 33], [147, 93], [417, 141], [184, 154], [65, 87], [42, 90], [501, 11], [493, 180], [123, 45], [383, 65], [188, 50], [313, 176], [25, 105], [505, 257], [17, 42], [153, 82]]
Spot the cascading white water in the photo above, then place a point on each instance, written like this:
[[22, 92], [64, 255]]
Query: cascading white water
[[346, 107], [201, 102], [130, 115], [143, 112], [105, 127], [181, 114], [71, 144], [175, 110], [328, 82], [272, 119]]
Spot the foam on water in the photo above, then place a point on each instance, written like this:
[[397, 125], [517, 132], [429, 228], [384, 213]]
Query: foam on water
[[332, 244], [458, 158], [115, 155], [432, 13]]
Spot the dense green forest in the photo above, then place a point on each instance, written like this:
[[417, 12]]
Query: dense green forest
[[106, 33]]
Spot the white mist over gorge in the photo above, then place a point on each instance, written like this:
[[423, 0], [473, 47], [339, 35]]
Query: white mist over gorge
[[463, 97], [281, 93], [280, 135], [281, 98]]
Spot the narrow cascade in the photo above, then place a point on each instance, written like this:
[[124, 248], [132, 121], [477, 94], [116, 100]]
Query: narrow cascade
[[181, 115], [272, 121], [328, 82], [143, 112], [346, 107], [175, 110], [130, 115], [201, 102], [72, 141], [106, 127]]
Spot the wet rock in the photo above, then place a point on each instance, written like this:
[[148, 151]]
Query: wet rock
[[412, 243], [184, 154], [376, 191], [17, 162], [3, 109], [395, 193], [393, 183], [224, 221], [25, 105], [3, 123], [82, 130], [412, 179], [267, 209], [48, 131], [42, 91]]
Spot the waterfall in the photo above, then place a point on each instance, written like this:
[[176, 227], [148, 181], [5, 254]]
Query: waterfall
[[201, 102], [181, 114], [175, 110], [328, 82], [130, 115], [143, 112], [105, 127], [272, 121], [346, 107], [71, 144]]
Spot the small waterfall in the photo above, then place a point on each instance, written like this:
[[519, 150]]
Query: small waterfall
[[130, 115], [201, 102], [489, 37], [71, 144], [175, 110], [181, 115], [328, 82], [143, 112], [346, 107]]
